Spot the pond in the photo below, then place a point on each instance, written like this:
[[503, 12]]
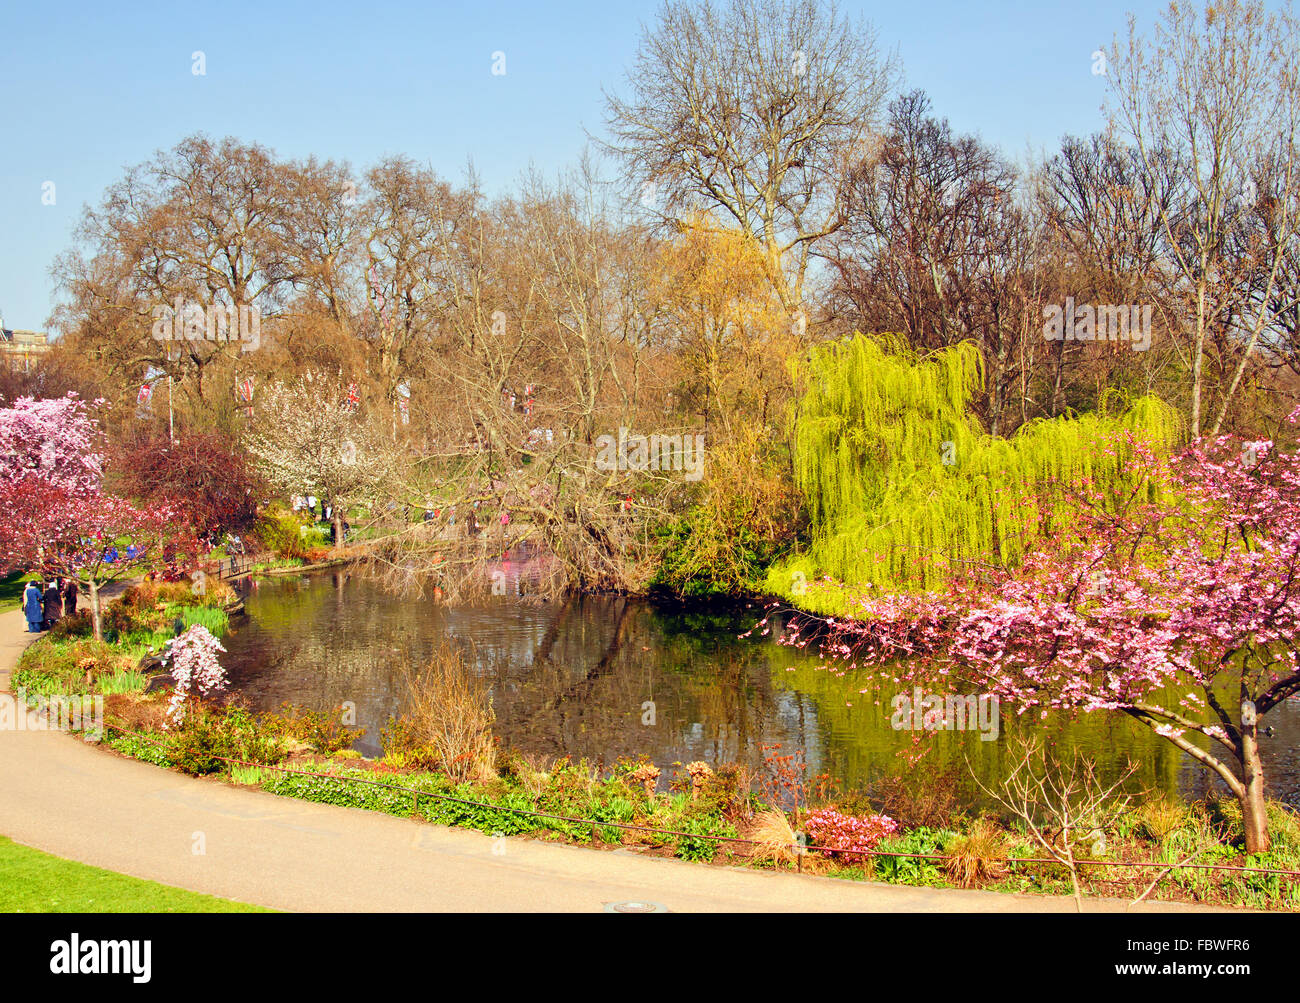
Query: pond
[[599, 678]]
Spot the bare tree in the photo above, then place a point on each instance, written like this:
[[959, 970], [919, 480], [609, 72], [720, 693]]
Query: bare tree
[[197, 228], [1064, 806], [937, 246], [1102, 213], [319, 235], [546, 341], [751, 110], [1218, 89]]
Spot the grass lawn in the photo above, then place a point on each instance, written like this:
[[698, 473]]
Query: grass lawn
[[32, 881], [11, 590]]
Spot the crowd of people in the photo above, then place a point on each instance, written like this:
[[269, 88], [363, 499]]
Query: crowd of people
[[45, 602]]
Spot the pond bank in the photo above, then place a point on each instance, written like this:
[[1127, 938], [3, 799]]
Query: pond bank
[[602, 677], [296, 855]]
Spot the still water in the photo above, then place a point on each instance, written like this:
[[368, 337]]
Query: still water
[[599, 678]]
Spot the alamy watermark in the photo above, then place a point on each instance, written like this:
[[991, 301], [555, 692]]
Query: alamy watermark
[[187, 320], [1098, 323], [84, 713], [917, 711], [75, 956], [683, 453]]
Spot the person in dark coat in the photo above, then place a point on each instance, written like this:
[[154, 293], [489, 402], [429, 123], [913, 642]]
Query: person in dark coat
[[32, 607], [53, 603], [70, 597]]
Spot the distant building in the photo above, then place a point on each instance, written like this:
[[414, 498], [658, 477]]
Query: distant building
[[20, 350]]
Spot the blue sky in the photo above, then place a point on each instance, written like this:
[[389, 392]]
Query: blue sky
[[91, 88]]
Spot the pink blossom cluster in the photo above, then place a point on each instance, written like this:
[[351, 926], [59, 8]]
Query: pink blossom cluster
[[57, 516], [195, 668], [839, 834], [1156, 604], [56, 440]]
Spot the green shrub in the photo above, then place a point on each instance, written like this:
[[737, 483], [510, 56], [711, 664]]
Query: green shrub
[[615, 809], [230, 732], [912, 870], [703, 825], [146, 748], [280, 531], [321, 731], [61, 665]]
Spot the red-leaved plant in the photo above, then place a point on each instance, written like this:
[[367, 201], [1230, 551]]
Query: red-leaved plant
[[846, 836]]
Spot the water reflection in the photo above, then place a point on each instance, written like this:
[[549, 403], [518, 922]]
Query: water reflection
[[601, 678]]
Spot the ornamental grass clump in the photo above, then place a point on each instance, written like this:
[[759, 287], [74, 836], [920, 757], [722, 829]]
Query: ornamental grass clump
[[846, 836], [1160, 816], [448, 718], [979, 856], [773, 838]]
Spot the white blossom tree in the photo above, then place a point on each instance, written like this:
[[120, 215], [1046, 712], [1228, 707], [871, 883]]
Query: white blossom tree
[[309, 438]]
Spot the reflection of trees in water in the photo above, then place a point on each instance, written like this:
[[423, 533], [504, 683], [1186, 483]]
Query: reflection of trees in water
[[863, 747], [572, 678], [585, 692]]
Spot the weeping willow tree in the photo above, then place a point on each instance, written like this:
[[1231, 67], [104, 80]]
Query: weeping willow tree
[[903, 486]]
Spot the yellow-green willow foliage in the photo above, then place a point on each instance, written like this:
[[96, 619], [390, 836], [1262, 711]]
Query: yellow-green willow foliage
[[903, 486]]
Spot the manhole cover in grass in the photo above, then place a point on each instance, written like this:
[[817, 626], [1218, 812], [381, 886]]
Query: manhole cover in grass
[[635, 907]]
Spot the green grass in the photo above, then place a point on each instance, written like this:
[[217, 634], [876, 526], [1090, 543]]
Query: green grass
[[123, 682], [11, 589], [247, 774], [32, 881], [144, 640], [278, 562]]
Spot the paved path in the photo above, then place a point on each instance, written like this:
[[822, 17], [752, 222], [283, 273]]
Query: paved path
[[66, 797]]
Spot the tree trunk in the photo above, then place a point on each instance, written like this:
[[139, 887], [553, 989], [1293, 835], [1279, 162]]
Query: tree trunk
[[94, 609], [1198, 354], [1254, 818], [338, 528]]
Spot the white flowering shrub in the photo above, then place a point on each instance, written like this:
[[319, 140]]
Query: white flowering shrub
[[195, 668]]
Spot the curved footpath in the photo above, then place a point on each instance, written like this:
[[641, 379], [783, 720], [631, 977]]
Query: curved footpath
[[66, 797]]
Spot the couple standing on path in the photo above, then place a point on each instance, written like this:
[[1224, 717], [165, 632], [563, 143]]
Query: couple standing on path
[[44, 606]]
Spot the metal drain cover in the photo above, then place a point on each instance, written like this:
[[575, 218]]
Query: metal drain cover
[[635, 907]]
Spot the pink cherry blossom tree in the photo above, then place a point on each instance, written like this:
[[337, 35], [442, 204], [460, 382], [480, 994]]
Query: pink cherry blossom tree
[[1178, 606], [57, 516], [57, 440]]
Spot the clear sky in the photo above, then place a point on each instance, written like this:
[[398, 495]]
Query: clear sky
[[87, 89]]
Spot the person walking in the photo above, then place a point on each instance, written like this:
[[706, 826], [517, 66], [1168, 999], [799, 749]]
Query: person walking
[[32, 607], [70, 597], [53, 603]]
